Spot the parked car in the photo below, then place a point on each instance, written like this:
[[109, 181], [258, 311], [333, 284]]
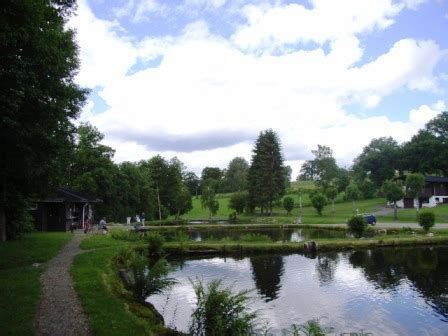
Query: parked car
[[370, 219]]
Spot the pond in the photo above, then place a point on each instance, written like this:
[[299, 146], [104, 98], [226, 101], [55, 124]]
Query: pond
[[275, 234], [394, 291]]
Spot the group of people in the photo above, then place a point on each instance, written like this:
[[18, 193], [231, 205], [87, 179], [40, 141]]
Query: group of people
[[102, 225]]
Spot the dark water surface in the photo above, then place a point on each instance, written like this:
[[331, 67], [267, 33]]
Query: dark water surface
[[402, 291]]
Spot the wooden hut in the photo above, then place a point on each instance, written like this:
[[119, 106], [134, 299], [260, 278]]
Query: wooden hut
[[66, 208]]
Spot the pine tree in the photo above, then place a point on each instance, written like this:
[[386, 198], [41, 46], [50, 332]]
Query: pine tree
[[266, 180]]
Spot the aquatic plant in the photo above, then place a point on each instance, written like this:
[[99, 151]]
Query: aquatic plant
[[221, 312]]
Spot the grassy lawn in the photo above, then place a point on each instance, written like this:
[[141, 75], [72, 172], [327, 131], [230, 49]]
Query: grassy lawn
[[111, 309], [410, 215], [20, 281]]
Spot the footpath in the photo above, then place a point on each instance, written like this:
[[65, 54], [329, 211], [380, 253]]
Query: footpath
[[60, 312]]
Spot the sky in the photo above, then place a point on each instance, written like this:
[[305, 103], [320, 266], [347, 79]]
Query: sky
[[199, 79]]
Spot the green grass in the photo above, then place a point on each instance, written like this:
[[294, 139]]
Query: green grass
[[19, 280], [33, 247], [111, 308], [410, 215]]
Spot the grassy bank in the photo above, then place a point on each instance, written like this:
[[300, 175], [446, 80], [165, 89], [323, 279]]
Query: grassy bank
[[111, 309], [20, 280]]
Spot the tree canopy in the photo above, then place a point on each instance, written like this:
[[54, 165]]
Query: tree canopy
[[39, 100]]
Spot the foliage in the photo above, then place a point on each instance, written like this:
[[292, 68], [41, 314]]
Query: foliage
[[238, 202], [352, 193], [331, 192], [426, 219], [318, 200], [155, 243], [378, 160], [208, 198], [393, 190], [127, 235], [233, 217], [323, 169], [220, 312], [254, 237], [192, 182], [414, 185], [39, 100], [310, 328], [235, 176], [288, 204], [147, 280], [367, 188], [358, 225], [427, 152], [266, 179]]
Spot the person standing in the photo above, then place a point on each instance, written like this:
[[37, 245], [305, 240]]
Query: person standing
[[103, 225], [143, 219]]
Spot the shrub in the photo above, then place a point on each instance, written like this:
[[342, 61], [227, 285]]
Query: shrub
[[288, 204], [310, 328], [131, 236], [238, 202], [155, 243], [426, 219], [357, 225], [319, 201], [220, 312], [233, 217], [145, 280]]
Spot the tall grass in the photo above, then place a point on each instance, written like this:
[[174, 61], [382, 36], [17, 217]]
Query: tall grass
[[220, 312]]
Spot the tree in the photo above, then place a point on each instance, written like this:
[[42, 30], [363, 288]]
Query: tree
[[266, 179], [414, 185], [367, 188], [393, 190], [192, 182], [378, 161], [318, 200], [208, 198], [357, 225], [238, 201], [38, 100], [427, 152], [426, 219], [235, 177], [323, 169], [331, 192], [352, 194], [287, 173], [288, 204]]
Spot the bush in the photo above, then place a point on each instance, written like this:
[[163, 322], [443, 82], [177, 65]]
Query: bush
[[288, 204], [131, 236], [233, 218], [145, 280], [426, 219], [155, 243], [318, 200], [238, 202], [357, 225], [220, 312]]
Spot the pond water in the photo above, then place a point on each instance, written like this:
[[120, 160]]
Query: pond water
[[275, 234], [402, 291]]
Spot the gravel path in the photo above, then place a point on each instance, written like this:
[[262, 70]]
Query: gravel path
[[60, 311]]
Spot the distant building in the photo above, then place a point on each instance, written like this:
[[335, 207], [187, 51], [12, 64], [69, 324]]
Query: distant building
[[435, 192], [66, 208]]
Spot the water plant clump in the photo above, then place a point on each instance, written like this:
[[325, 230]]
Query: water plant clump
[[221, 312]]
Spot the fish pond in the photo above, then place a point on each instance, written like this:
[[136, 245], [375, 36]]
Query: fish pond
[[387, 291]]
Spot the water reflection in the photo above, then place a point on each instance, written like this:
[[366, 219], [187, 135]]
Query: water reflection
[[267, 272], [384, 291]]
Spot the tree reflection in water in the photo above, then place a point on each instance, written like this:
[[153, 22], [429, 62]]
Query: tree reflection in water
[[426, 269], [267, 272]]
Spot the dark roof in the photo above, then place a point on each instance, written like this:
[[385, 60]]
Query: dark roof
[[68, 195], [437, 179]]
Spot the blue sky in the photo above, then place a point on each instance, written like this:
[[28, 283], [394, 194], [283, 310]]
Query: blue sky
[[200, 79]]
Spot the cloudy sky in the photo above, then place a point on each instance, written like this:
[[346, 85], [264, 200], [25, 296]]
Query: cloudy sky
[[199, 79]]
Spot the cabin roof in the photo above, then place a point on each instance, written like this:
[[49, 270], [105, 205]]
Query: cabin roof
[[436, 179]]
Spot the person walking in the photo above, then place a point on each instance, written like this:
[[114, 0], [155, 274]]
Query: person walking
[[103, 225]]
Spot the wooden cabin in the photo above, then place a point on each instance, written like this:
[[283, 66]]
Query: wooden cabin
[[67, 207], [434, 192]]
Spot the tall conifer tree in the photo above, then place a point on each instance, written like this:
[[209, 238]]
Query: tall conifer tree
[[266, 180]]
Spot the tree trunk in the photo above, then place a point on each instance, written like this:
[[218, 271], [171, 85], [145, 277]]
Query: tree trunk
[[3, 212], [332, 205], [395, 210], [158, 202], [353, 206], [3, 224]]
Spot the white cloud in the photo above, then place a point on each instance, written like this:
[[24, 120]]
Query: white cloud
[[425, 113], [326, 21], [207, 85]]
